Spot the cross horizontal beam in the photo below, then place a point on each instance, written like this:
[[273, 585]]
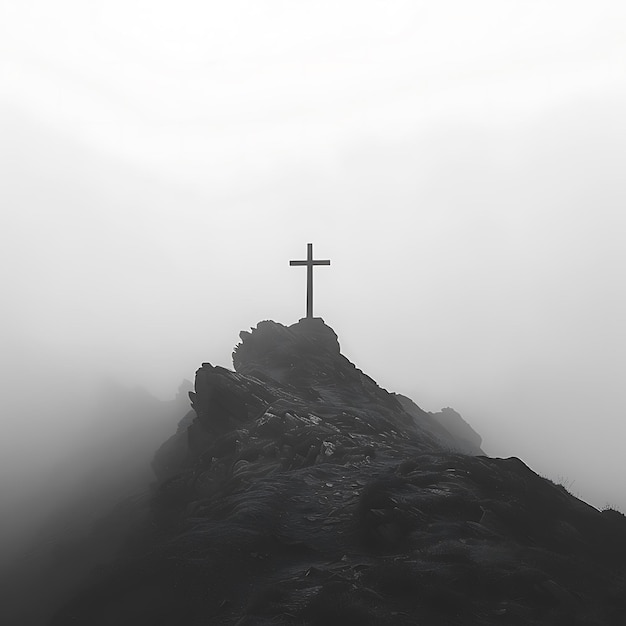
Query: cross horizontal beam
[[326, 262]]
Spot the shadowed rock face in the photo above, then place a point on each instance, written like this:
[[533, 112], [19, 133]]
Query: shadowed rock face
[[464, 435], [300, 492]]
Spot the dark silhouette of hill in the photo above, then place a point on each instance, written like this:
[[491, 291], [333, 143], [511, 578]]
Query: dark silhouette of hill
[[298, 491], [79, 511]]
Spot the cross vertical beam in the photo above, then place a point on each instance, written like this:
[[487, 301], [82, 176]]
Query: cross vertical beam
[[309, 263], [309, 280]]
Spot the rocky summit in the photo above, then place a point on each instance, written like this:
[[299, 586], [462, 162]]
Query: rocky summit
[[298, 491]]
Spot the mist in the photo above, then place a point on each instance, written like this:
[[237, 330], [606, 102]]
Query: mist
[[460, 164]]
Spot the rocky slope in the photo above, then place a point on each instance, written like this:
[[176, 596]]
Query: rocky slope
[[298, 491]]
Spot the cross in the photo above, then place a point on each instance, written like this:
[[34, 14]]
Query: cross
[[309, 276]]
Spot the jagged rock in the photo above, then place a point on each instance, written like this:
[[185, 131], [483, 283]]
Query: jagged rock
[[448, 430], [309, 495], [466, 438]]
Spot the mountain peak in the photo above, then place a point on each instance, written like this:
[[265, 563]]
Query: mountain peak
[[307, 357], [284, 351], [299, 491]]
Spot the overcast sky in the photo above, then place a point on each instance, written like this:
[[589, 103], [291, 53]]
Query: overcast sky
[[460, 162]]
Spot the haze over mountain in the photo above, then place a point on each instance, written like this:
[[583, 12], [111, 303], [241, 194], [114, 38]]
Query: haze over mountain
[[298, 491], [460, 164]]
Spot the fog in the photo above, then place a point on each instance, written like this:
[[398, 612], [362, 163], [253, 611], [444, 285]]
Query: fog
[[461, 164]]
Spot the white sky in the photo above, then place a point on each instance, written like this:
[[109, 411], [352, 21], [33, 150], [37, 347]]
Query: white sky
[[461, 163]]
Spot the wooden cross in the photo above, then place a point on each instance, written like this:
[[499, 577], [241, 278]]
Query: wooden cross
[[309, 276]]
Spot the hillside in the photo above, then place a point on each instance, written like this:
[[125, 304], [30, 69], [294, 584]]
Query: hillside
[[297, 491]]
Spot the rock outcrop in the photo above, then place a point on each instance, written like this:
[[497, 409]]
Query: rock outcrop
[[300, 492], [465, 437]]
